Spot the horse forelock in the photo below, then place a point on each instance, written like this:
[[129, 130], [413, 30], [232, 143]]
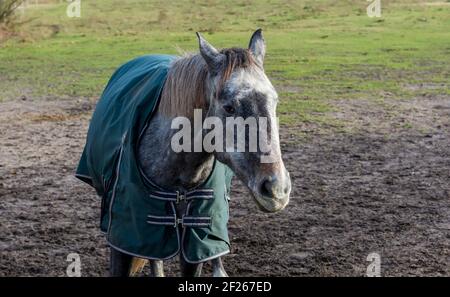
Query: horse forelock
[[235, 58], [185, 88]]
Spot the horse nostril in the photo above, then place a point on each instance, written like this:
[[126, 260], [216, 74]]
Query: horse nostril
[[268, 187]]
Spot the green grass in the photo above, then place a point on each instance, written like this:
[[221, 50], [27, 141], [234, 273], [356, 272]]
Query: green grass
[[318, 51]]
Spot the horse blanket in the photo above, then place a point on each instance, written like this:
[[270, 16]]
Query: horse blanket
[[139, 217]]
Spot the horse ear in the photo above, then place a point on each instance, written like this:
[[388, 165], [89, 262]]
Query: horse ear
[[212, 57], [257, 46]]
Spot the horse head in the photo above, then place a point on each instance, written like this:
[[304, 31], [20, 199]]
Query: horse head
[[237, 87]]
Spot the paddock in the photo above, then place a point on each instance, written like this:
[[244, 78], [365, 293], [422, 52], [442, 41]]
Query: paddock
[[383, 188], [364, 109]]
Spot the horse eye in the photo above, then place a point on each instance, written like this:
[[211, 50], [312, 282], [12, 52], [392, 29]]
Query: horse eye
[[228, 108]]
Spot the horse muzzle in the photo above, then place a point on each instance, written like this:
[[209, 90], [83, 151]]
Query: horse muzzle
[[272, 192]]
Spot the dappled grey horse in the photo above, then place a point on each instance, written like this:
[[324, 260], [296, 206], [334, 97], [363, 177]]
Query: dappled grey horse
[[226, 83]]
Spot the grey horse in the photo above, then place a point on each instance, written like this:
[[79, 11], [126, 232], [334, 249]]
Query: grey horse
[[226, 83]]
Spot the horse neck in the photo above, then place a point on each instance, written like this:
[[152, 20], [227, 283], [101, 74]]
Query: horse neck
[[159, 162]]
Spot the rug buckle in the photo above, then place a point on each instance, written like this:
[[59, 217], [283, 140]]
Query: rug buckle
[[178, 221], [180, 197]]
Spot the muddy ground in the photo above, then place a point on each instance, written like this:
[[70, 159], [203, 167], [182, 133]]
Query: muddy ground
[[379, 182]]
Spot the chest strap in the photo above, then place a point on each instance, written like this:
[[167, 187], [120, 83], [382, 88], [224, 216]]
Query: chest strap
[[185, 221], [179, 196]]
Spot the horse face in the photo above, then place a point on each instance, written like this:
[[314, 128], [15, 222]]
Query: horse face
[[246, 97], [249, 95]]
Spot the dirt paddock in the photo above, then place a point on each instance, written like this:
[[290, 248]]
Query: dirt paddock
[[380, 183]]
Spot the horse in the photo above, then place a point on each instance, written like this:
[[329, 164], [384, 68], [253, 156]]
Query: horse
[[221, 83]]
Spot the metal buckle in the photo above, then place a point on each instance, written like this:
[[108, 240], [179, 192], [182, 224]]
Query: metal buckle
[[180, 197], [178, 221]]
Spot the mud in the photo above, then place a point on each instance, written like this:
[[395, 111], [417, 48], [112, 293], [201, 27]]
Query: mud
[[378, 182]]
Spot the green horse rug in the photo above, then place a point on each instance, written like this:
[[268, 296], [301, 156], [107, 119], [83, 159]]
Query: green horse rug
[[139, 217]]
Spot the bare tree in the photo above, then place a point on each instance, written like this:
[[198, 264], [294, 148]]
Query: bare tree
[[7, 8]]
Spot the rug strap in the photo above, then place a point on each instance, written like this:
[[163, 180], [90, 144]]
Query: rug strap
[[186, 221], [177, 196]]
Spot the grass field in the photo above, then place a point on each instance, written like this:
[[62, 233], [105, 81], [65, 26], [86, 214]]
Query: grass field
[[317, 50]]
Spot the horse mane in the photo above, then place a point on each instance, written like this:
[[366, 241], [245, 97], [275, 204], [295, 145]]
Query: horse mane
[[185, 88]]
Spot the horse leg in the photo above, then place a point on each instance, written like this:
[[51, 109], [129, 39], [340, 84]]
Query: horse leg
[[137, 265], [157, 268], [119, 263], [189, 269], [218, 269]]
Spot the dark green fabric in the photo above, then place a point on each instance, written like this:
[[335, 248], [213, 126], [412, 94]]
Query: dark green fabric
[[109, 164]]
